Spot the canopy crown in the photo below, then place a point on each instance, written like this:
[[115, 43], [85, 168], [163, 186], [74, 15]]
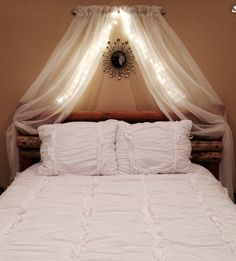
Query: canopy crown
[[81, 10]]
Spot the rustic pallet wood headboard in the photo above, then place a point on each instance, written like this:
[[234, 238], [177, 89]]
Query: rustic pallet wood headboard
[[206, 152]]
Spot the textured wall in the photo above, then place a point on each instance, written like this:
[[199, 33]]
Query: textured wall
[[30, 29]]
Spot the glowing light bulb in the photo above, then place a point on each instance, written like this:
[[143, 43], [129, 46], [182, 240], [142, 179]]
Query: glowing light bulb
[[131, 36], [151, 61], [158, 67], [105, 31], [161, 79], [60, 100], [115, 14]]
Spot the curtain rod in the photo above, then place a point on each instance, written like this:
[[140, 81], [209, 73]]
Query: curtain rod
[[75, 11]]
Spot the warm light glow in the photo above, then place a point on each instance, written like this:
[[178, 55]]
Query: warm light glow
[[149, 59], [161, 79], [60, 100], [115, 14], [85, 64], [174, 94]]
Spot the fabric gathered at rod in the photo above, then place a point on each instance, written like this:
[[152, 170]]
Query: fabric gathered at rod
[[176, 83]]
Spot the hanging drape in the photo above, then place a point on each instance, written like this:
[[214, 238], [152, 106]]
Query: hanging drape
[[172, 77], [65, 77], [175, 81]]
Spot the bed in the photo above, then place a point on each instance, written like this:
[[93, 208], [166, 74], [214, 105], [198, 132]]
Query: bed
[[133, 216]]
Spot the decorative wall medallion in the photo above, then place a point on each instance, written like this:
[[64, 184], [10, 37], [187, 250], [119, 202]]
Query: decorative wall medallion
[[118, 60]]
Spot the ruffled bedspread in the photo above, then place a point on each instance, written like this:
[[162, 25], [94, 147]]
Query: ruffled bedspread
[[176, 217]]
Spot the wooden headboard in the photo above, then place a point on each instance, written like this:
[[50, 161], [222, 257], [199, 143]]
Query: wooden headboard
[[206, 152]]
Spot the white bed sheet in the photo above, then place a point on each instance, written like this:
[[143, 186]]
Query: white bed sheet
[[174, 217]]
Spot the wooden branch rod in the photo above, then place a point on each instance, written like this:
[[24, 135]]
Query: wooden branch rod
[[206, 151], [33, 142], [75, 11]]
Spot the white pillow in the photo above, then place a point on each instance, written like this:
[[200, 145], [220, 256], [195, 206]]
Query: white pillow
[[82, 148], [152, 148]]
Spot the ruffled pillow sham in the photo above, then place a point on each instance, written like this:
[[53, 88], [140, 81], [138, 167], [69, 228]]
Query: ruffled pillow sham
[[153, 148], [81, 148]]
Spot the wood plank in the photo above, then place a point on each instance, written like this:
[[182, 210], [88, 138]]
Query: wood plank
[[207, 145], [128, 116], [28, 157], [30, 142], [206, 156], [30, 153], [196, 156], [33, 142]]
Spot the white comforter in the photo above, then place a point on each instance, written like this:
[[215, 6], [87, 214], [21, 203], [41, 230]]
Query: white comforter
[[117, 218]]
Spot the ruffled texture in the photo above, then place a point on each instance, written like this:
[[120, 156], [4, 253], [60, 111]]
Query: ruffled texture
[[84, 221], [19, 202], [80, 148], [153, 225], [130, 217], [47, 151], [183, 146], [215, 216], [153, 148]]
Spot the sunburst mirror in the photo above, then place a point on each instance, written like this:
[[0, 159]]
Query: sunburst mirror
[[118, 59]]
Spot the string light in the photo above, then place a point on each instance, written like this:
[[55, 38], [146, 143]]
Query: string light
[[83, 67], [158, 67]]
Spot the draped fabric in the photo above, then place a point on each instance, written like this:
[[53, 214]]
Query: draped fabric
[[65, 77], [176, 83]]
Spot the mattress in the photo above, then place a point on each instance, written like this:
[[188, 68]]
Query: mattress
[[171, 217]]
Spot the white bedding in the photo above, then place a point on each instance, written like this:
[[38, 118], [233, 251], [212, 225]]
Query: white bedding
[[174, 217]]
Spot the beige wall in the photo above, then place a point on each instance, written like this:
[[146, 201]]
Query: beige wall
[[30, 29]]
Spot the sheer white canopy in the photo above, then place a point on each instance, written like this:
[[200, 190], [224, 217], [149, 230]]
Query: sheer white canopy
[[176, 83]]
